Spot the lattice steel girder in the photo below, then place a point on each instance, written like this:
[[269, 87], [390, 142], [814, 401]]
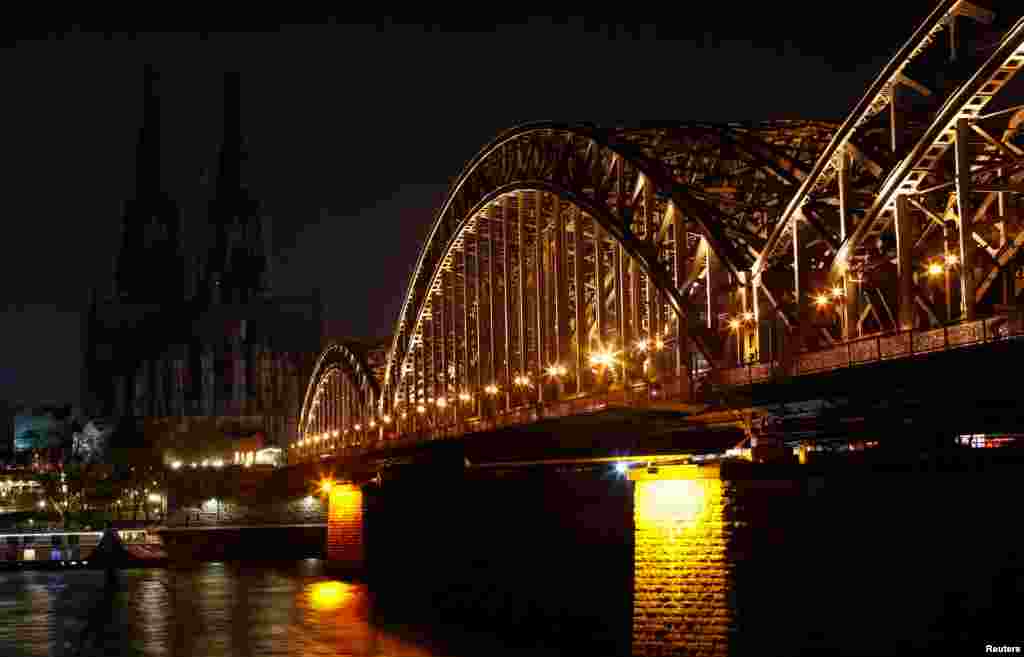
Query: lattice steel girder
[[877, 98], [338, 359], [588, 167], [922, 160]]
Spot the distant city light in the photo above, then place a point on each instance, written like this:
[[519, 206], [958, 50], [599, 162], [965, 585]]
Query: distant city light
[[176, 465]]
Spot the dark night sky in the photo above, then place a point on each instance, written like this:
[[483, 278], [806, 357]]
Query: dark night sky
[[354, 133]]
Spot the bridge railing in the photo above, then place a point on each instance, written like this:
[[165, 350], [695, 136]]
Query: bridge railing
[[860, 351], [639, 394], [877, 348]]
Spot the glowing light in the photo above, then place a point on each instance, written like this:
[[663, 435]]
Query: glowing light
[[603, 359], [821, 300], [42, 504], [153, 497], [205, 463], [734, 324], [557, 370], [194, 465], [465, 396], [622, 467], [748, 316], [386, 419], [491, 389], [358, 427], [952, 260], [404, 415], [641, 345], [935, 269], [442, 402], [373, 424], [326, 485], [329, 596], [176, 465], [673, 501], [334, 433], [837, 292], [421, 409], [218, 463]]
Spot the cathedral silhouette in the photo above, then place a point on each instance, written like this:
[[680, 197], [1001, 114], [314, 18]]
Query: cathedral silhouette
[[194, 350]]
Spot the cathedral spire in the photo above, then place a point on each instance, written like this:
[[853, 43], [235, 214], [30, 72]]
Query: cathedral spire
[[237, 269], [147, 150], [149, 263]]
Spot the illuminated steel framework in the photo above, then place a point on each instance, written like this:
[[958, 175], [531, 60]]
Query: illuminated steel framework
[[574, 262], [339, 407]]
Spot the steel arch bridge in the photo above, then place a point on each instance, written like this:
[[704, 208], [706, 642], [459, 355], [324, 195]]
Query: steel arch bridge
[[572, 264], [342, 394]]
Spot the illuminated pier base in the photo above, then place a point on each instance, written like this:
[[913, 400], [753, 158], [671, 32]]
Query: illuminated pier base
[[682, 577], [346, 550]]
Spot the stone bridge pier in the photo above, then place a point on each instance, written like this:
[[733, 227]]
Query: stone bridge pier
[[736, 558]]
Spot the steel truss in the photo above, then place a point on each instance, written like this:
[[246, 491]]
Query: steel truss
[[572, 259], [340, 399]]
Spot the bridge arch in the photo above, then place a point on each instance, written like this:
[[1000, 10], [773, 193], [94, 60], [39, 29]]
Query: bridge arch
[[635, 189], [341, 395], [572, 258]]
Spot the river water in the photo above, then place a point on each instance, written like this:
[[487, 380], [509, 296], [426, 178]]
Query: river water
[[212, 610]]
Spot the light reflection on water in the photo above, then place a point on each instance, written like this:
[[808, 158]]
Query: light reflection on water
[[214, 610]]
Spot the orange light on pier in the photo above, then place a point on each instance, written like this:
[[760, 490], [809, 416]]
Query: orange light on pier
[[329, 596]]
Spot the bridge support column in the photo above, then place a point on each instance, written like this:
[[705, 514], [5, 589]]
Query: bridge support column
[[904, 252], [682, 573], [345, 529]]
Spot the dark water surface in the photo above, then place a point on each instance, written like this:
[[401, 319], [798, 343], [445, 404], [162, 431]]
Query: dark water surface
[[212, 610]]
